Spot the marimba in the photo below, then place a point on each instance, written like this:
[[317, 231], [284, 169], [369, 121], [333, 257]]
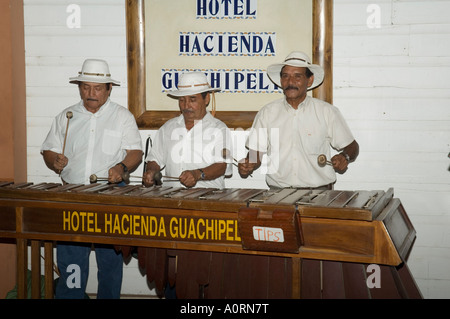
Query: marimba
[[227, 243]]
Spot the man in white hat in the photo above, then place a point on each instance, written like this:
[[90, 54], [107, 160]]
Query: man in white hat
[[191, 147], [99, 137], [295, 130]]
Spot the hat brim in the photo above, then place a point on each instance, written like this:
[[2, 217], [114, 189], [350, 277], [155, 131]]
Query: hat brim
[[191, 91], [274, 70], [78, 79]]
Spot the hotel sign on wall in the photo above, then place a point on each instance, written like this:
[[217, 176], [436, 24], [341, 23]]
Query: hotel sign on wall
[[232, 41]]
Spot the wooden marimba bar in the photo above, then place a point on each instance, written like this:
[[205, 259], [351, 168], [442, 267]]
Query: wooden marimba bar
[[214, 230]]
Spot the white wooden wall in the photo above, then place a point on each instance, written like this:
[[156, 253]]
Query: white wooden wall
[[391, 81]]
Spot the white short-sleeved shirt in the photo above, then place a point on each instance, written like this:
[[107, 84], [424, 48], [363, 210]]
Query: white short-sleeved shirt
[[178, 149], [294, 138], [95, 141]]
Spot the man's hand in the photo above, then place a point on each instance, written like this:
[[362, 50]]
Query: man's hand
[[245, 168], [190, 178], [60, 162], [149, 178], [339, 162], [115, 174]]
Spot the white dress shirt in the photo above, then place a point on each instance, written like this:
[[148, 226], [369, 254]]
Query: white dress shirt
[[95, 141], [294, 138], [178, 149]]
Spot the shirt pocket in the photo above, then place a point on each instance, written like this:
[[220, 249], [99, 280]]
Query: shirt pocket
[[314, 141], [112, 141]]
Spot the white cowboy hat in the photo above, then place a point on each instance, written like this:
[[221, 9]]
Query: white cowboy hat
[[192, 83], [297, 59], [95, 71]]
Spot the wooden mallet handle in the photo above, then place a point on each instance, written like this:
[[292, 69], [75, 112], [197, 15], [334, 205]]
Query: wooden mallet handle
[[125, 177], [158, 178], [69, 115]]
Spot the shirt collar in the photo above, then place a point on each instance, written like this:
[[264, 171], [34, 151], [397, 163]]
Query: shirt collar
[[99, 112], [290, 108], [207, 118]]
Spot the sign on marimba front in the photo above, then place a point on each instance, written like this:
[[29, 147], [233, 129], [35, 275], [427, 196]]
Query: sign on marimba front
[[156, 224], [279, 233]]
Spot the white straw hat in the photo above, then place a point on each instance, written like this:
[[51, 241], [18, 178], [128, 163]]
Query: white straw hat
[[96, 71], [297, 59], [192, 83]]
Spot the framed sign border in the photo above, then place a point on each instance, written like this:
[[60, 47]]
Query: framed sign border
[[135, 32]]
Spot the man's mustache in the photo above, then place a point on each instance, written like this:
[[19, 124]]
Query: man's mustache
[[291, 88], [92, 100]]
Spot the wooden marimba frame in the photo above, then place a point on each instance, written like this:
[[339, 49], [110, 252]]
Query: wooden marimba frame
[[230, 243]]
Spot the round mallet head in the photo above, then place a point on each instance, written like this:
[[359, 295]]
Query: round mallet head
[[126, 177], [157, 178], [322, 160], [69, 115], [93, 178]]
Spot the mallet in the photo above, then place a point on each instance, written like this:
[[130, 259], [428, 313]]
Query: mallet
[[94, 179], [126, 177], [238, 166], [322, 160], [69, 115], [158, 177], [225, 154]]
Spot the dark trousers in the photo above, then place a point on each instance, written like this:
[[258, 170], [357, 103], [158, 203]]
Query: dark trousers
[[73, 265]]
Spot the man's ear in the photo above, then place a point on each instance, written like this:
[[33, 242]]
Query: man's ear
[[311, 80], [207, 99]]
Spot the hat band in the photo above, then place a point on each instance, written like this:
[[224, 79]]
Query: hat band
[[297, 59], [194, 85], [94, 74]]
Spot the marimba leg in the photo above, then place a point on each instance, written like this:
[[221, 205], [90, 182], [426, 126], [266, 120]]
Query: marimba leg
[[296, 277], [22, 269], [22, 261], [48, 269], [35, 269]]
